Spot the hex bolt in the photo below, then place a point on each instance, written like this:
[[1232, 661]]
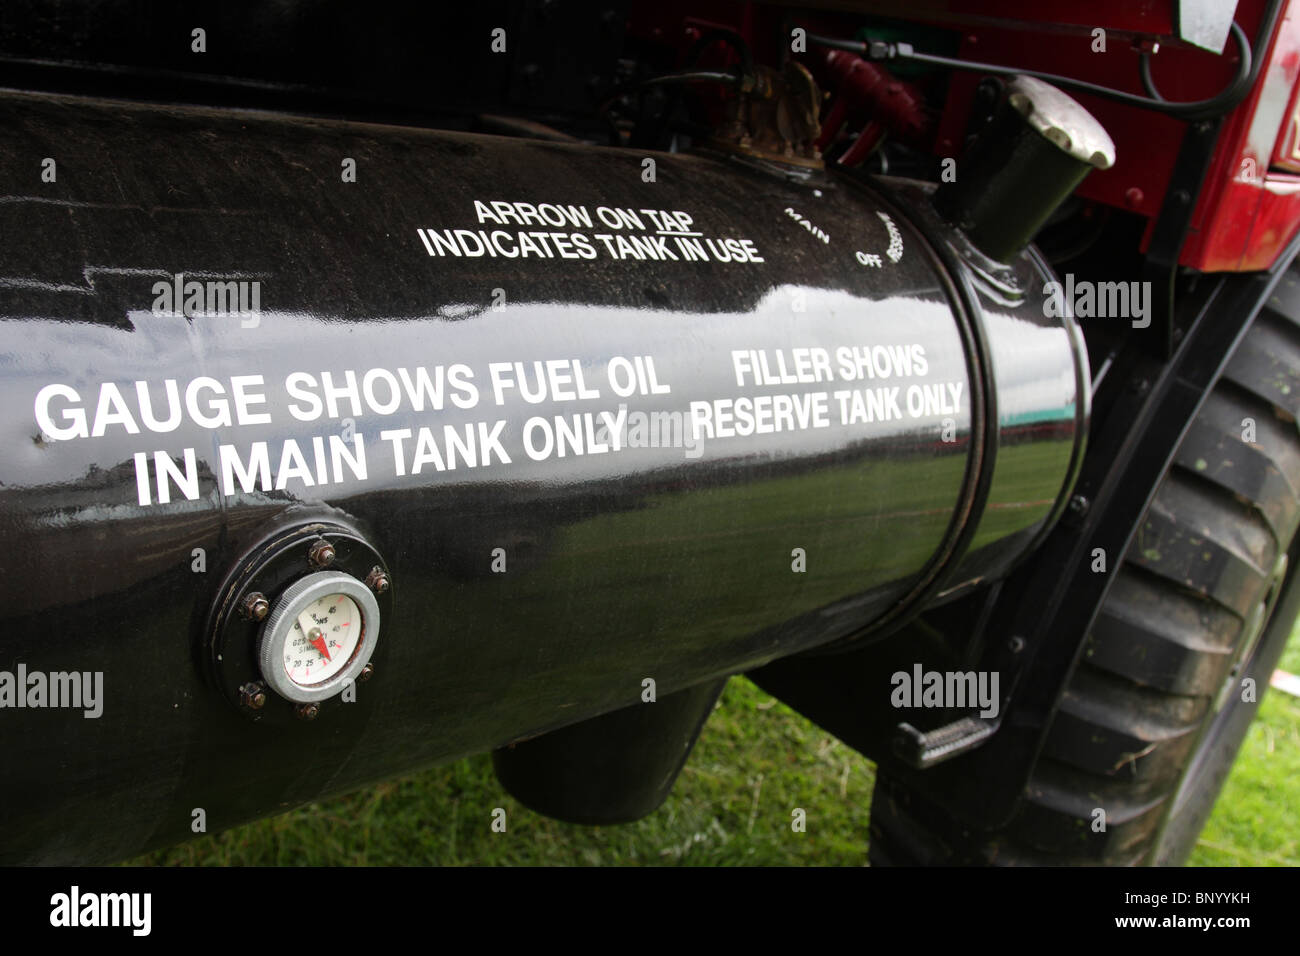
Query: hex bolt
[[306, 711], [367, 672], [377, 580], [255, 607], [321, 554], [253, 695]]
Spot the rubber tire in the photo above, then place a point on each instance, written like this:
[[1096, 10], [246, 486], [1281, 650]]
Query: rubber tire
[[1137, 733]]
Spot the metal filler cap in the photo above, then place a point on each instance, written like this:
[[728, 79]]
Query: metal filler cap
[[1022, 166], [1060, 119]]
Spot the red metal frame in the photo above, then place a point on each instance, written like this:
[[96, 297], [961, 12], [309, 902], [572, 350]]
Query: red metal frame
[[1248, 206], [1246, 212]]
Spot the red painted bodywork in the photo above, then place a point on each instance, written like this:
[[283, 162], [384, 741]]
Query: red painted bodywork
[[1248, 211], [1248, 206], [1245, 212]]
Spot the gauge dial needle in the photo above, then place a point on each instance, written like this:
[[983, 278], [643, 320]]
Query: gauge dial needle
[[319, 644]]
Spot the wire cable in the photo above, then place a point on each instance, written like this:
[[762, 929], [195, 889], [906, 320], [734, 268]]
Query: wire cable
[[1216, 105]]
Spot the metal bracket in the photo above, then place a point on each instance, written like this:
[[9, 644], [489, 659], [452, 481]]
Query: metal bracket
[[1205, 23], [923, 750]]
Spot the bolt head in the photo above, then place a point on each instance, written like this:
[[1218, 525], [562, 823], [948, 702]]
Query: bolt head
[[366, 673], [377, 580], [321, 554], [256, 607], [253, 696], [307, 711]]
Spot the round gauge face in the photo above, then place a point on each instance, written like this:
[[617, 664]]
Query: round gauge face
[[319, 635], [323, 640]]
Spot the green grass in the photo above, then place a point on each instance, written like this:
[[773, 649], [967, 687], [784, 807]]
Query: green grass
[[1257, 819], [756, 761]]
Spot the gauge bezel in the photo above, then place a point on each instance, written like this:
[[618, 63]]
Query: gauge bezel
[[268, 564], [286, 609]]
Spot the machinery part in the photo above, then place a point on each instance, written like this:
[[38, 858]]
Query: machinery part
[[866, 94], [1215, 106], [614, 768], [1204, 23], [281, 577], [775, 118], [321, 554], [1039, 146], [925, 749], [327, 620], [453, 382], [1154, 712]]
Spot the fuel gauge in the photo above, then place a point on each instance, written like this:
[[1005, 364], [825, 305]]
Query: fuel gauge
[[294, 620], [319, 635]]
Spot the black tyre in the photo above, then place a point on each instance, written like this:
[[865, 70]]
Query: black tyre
[[1153, 714]]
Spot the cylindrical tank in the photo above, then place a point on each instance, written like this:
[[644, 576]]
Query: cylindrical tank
[[598, 417]]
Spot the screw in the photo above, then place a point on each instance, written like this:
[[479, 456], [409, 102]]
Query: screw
[[377, 580], [1079, 505], [366, 673], [321, 554], [306, 711], [253, 695], [1017, 644], [255, 607]]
